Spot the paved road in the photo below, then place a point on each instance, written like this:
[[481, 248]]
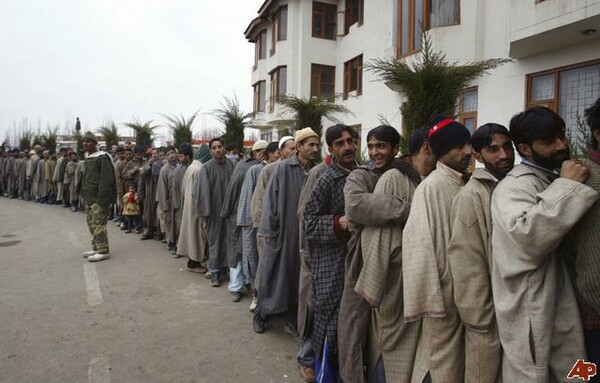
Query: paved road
[[138, 317]]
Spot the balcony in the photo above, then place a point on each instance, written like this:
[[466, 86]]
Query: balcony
[[537, 27]]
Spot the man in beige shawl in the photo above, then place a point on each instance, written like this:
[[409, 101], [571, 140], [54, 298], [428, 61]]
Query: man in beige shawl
[[533, 209], [469, 253], [192, 236], [380, 280], [428, 291], [363, 207]]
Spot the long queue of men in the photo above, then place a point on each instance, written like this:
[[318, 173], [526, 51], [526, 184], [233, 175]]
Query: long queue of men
[[406, 269]]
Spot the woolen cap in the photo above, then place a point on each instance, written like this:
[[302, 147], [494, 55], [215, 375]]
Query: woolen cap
[[305, 133], [283, 140], [90, 136], [447, 134], [259, 145]]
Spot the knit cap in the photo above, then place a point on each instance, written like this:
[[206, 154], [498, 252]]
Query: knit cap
[[283, 140], [305, 133], [446, 135], [90, 136]]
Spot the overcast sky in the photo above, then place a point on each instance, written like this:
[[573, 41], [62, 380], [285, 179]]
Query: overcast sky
[[121, 59]]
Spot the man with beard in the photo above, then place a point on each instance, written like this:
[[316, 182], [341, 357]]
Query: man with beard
[[148, 182], [245, 218], [469, 253], [213, 180], [163, 195], [428, 291], [70, 181], [533, 209], [97, 189], [326, 228], [587, 262], [237, 278], [192, 237], [280, 263], [175, 183]]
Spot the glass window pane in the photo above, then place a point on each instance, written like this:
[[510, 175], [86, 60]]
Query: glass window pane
[[443, 13], [470, 124], [469, 102], [542, 87], [418, 26], [405, 27], [282, 24], [282, 81], [579, 88]]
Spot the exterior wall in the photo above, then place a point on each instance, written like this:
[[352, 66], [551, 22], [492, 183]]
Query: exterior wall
[[520, 29]]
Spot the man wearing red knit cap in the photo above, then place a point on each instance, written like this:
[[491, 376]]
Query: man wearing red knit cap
[[428, 290]]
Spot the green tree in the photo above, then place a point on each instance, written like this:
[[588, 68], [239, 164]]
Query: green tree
[[110, 133], [580, 139], [234, 119], [49, 138], [431, 84], [25, 138], [309, 112], [144, 132], [181, 128]]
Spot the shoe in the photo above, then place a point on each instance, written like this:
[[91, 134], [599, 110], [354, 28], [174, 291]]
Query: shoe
[[145, 237], [88, 253], [254, 304], [123, 227], [116, 219], [208, 274], [291, 329], [177, 256], [127, 231], [138, 230], [196, 269], [258, 322], [98, 257], [236, 297], [214, 280], [307, 373]]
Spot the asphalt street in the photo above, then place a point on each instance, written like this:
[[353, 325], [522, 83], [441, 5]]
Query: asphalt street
[[138, 317]]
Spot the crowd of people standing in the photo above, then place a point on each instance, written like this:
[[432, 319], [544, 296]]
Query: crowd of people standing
[[413, 268]]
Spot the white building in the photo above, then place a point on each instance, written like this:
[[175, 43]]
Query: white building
[[317, 48]]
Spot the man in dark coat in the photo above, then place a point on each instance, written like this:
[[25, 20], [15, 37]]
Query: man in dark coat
[[213, 181]]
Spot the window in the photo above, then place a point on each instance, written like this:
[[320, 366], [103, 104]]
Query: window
[[322, 81], [466, 107], [354, 14], [279, 31], [358, 129], [267, 136], [323, 20], [260, 46], [259, 96], [418, 15], [278, 85], [567, 91], [353, 76]]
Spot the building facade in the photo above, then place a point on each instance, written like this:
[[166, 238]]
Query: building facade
[[319, 48]]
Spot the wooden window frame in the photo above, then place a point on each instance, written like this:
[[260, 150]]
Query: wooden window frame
[[276, 89], [316, 82], [260, 46], [348, 20], [276, 34], [257, 96], [324, 23], [412, 46], [462, 116], [349, 72], [554, 102]]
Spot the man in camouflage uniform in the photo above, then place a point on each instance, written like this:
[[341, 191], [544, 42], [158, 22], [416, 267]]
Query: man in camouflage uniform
[[98, 190]]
